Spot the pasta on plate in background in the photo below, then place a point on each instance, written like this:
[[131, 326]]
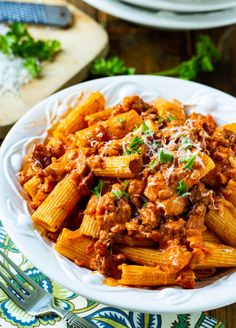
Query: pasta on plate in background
[[138, 192]]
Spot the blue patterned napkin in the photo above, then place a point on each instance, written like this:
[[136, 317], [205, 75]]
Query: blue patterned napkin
[[103, 316]]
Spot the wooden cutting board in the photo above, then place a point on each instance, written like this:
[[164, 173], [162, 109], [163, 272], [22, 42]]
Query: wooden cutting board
[[81, 44]]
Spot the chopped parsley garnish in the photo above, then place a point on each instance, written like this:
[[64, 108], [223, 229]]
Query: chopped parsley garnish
[[120, 194], [126, 183], [121, 120], [186, 143], [152, 164], [97, 190], [19, 43], [181, 189], [146, 130], [165, 156], [156, 144], [160, 119], [170, 118], [133, 147], [189, 162]]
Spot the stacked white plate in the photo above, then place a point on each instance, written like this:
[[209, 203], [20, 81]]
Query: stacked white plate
[[171, 14]]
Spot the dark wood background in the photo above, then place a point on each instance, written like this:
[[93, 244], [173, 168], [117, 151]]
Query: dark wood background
[[151, 50]]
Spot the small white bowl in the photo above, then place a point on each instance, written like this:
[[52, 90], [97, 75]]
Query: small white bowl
[[15, 214]]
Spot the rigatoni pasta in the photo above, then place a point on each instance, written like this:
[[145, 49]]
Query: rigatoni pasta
[[140, 192]]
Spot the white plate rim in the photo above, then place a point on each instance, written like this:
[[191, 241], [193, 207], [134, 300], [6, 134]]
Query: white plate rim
[[165, 19], [183, 6], [135, 299]]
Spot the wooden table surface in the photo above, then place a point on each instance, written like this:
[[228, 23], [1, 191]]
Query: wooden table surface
[[151, 50]]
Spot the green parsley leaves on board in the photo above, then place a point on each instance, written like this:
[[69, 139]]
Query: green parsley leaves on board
[[97, 190], [181, 189], [110, 67], [204, 59], [19, 43]]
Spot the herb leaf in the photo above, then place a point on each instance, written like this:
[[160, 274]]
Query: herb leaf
[[133, 147], [189, 162], [152, 164], [97, 190], [203, 60], [181, 189], [165, 156], [33, 66], [126, 183], [120, 194], [121, 119], [146, 130], [170, 118], [110, 67], [186, 143], [18, 42]]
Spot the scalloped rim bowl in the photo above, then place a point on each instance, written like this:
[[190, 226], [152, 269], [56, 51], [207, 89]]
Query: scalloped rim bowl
[[15, 214]]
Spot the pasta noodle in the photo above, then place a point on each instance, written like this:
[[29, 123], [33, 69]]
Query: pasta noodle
[[140, 192]]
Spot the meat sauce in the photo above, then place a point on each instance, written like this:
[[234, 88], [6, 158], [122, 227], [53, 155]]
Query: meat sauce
[[164, 206]]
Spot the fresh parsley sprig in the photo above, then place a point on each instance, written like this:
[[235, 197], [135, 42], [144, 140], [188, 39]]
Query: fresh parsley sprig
[[204, 59], [110, 67], [19, 43]]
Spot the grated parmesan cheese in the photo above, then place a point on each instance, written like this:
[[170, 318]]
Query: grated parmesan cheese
[[12, 75], [12, 72]]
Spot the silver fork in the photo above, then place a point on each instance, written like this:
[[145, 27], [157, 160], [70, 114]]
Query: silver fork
[[32, 298]]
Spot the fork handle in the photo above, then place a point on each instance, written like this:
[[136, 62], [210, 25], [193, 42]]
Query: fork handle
[[76, 322]]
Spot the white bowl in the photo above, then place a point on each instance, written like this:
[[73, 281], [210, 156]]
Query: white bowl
[[165, 19], [15, 214], [187, 6]]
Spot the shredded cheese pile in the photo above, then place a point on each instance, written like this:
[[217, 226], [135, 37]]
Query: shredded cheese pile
[[13, 75]]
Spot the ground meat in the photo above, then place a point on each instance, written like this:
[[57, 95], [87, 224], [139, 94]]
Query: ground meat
[[200, 194], [135, 190], [106, 262], [172, 230], [196, 217], [150, 215], [129, 103], [110, 148], [41, 155], [57, 149], [112, 211], [173, 206], [206, 122]]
